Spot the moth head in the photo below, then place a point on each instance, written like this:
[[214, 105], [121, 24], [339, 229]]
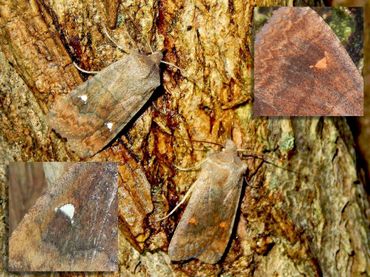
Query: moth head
[[156, 57], [230, 146]]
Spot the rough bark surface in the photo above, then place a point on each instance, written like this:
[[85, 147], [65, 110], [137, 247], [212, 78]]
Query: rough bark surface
[[308, 220]]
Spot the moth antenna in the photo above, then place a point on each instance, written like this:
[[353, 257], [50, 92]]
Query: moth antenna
[[182, 71], [113, 41], [187, 194], [85, 71], [150, 47], [266, 161]]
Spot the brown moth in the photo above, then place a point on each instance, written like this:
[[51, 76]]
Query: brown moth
[[207, 223], [302, 69], [97, 110]]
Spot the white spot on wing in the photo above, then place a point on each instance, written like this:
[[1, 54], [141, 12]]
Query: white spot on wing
[[83, 98], [109, 125], [68, 210]]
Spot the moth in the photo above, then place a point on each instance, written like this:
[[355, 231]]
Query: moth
[[97, 110], [207, 223], [302, 69]]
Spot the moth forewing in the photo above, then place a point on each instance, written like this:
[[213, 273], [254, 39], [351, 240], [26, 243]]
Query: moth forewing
[[302, 68], [97, 110], [207, 223], [72, 226]]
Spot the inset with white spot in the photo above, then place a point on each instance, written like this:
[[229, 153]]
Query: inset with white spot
[[68, 210]]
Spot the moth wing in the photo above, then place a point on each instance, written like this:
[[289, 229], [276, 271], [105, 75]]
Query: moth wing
[[207, 223], [97, 110], [301, 70], [89, 243]]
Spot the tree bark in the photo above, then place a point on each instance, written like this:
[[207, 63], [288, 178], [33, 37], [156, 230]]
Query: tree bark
[[304, 215]]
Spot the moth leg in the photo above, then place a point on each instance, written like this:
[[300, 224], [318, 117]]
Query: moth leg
[[150, 47], [186, 196], [85, 71], [197, 167]]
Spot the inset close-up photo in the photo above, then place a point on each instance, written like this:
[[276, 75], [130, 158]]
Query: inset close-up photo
[[63, 217], [307, 62]]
